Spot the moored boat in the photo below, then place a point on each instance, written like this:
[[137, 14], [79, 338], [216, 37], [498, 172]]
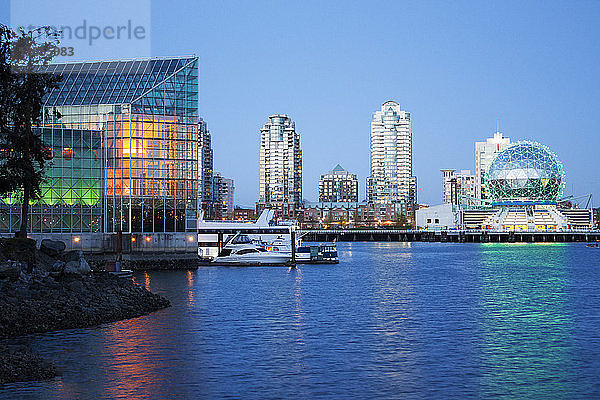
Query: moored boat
[[244, 252], [317, 254], [220, 242]]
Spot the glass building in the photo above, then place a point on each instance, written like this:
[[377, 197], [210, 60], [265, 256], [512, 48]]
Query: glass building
[[205, 170], [485, 152], [123, 149], [391, 179], [280, 167], [526, 172]]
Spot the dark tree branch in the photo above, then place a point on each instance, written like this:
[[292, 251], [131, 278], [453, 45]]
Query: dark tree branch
[[24, 56]]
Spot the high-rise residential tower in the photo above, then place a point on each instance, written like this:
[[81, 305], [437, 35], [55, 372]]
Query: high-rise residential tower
[[338, 186], [458, 187], [205, 170], [280, 166], [485, 152], [448, 181], [391, 179], [223, 192]]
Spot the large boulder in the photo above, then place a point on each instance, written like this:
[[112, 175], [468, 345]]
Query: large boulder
[[58, 266], [52, 247], [79, 267], [73, 255], [10, 269]]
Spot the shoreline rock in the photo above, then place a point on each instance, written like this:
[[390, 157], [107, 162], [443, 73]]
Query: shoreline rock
[[41, 292], [68, 301], [20, 364]]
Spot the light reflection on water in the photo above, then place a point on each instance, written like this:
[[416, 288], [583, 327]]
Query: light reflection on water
[[526, 322], [392, 320]]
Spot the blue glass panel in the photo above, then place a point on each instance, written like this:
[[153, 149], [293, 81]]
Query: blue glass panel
[[121, 81]]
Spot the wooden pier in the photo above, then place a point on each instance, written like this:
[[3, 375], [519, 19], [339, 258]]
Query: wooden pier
[[453, 236]]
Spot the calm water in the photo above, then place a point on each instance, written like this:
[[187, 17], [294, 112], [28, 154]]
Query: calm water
[[392, 320]]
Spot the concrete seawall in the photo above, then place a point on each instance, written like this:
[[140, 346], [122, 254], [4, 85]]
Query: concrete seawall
[[146, 261], [99, 243]]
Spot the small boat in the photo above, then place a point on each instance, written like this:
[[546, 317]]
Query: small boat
[[592, 245], [317, 254], [241, 250]]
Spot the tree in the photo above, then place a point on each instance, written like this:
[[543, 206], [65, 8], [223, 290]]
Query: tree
[[300, 217], [23, 85], [412, 217], [326, 219], [355, 218], [401, 221]]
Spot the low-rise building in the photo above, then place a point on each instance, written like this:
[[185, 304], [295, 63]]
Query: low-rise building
[[443, 216], [354, 214], [243, 214]]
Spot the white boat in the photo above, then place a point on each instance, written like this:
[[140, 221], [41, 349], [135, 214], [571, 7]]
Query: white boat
[[264, 233], [241, 250]]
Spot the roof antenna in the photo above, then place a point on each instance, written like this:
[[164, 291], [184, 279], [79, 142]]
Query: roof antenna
[[497, 124]]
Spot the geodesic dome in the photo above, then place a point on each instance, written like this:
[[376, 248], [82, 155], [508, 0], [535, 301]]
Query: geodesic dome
[[525, 171]]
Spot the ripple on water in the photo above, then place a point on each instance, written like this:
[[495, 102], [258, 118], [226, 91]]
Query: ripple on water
[[392, 320]]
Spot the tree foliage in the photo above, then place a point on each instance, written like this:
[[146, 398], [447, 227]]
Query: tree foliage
[[24, 56], [405, 221]]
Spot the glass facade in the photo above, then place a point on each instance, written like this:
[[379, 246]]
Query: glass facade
[[391, 179], [280, 166], [526, 171], [124, 149]]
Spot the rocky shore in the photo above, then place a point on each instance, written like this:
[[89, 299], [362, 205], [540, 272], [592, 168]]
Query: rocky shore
[[47, 289]]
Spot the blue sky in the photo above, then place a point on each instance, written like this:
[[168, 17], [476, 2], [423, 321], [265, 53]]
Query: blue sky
[[456, 67]]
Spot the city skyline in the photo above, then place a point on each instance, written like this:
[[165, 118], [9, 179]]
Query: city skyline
[[462, 67], [337, 200]]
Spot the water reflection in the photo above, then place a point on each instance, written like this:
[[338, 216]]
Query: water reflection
[[394, 319], [190, 291], [425, 320], [299, 327], [141, 357], [525, 320], [133, 364], [146, 280]]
